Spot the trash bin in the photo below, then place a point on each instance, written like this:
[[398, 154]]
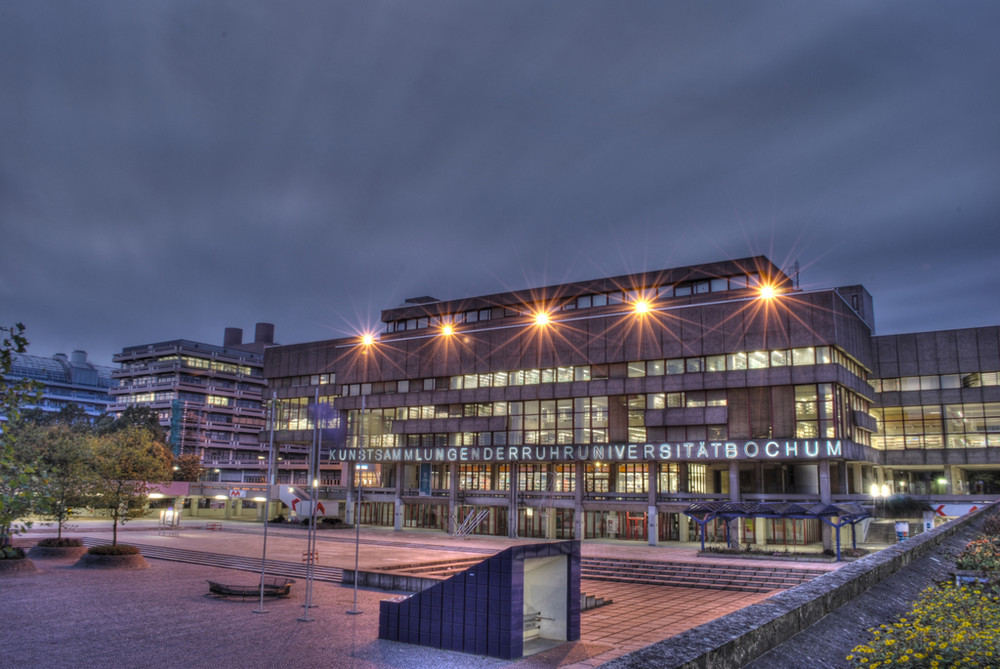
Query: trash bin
[[902, 531]]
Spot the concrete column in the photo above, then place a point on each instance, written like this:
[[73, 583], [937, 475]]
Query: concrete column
[[398, 507], [826, 497], [734, 482], [578, 513], [952, 476], [683, 527], [652, 469], [760, 531], [549, 515], [842, 471], [858, 476], [682, 477], [734, 496], [758, 475], [237, 508], [512, 502], [453, 521], [193, 511]]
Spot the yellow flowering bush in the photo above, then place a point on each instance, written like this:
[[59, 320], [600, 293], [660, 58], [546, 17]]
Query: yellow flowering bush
[[948, 627]]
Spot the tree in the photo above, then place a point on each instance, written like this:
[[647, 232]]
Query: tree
[[126, 462], [63, 454], [134, 416], [21, 484], [188, 467]]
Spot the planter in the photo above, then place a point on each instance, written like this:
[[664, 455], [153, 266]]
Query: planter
[[57, 552], [969, 577], [22, 566], [91, 561]]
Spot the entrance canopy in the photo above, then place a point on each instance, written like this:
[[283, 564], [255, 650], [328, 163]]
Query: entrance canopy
[[834, 515]]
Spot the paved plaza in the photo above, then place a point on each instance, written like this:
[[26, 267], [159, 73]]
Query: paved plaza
[[64, 616]]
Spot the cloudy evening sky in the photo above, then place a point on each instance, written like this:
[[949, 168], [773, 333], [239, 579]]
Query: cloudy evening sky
[[171, 168]]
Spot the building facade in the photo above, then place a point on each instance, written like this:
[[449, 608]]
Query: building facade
[[209, 397], [605, 408], [65, 380]]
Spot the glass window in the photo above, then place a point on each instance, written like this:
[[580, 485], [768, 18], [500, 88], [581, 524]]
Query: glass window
[[599, 300], [720, 284], [694, 365], [736, 361], [949, 381], [803, 356], [779, 358], [584, 301], [636, 369], [581, 373], [675, 366], [758, 360], [930, 382], [715, 363], [823, 355], [655, 368]]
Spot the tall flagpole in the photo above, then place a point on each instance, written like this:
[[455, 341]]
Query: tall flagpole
[[311, 533], [357, 506], [267, 503]]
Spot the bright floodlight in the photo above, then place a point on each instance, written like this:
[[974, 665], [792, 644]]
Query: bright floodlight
[[541, 318], [367, 339], [640, 306], [767, 291], [447, 330]]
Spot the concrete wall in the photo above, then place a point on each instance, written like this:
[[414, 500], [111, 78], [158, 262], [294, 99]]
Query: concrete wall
[[741, 637]]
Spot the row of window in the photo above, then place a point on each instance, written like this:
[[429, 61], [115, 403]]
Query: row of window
[[936, 382], [214, 365], [652, 294], [597, 477], [742, 360], [968, 425]]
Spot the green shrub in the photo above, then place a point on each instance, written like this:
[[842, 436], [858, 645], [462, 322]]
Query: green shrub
[[120, 549], [12, 553], [60, 543]]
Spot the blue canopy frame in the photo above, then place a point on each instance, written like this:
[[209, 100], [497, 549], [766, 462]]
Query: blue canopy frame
[[845, 514]]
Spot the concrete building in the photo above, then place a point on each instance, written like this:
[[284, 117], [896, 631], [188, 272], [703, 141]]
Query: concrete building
[[65, 380], [209, 397], [605, 408]]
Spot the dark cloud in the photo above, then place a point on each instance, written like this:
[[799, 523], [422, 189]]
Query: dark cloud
[[172, 169]]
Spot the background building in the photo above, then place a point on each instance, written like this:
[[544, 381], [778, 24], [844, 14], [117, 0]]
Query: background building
[[210, 398], [605, 408], [66, 380]]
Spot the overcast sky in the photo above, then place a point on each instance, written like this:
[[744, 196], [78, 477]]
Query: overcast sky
[[171, 168]]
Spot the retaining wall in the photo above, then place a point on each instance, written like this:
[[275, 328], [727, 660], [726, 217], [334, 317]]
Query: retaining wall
[[735, 640]]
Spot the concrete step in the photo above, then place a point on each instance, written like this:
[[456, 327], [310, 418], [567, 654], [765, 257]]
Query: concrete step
[[690, 575]]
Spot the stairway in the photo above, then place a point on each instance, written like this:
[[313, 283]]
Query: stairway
[[748, 578]]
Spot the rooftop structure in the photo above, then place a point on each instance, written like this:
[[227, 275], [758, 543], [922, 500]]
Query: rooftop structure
[[65, 380]]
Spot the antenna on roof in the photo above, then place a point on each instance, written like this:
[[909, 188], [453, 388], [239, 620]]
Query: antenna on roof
[[792, 272]]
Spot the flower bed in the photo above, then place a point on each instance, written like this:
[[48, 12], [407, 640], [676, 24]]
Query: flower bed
[[947, 627], [950, 625]]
